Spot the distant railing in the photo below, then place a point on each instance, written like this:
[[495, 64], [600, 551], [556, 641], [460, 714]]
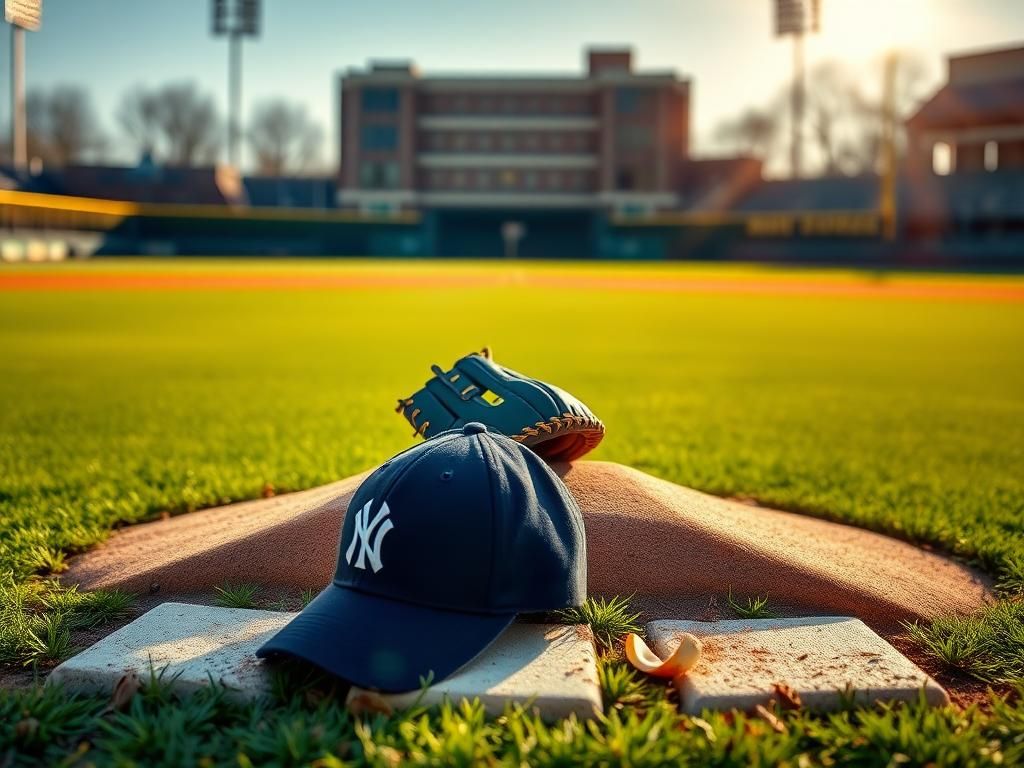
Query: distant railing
[[39, 210], [773, 224]]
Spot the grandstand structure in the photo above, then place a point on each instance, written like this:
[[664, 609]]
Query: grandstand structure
[[963, 185], [594, 165]]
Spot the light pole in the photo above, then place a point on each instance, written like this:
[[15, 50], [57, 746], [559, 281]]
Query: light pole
[[797, 98], [235, 19], [797, 18], [887, 196], [21, 15]]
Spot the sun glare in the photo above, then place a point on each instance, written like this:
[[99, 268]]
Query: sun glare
[[860, 30]]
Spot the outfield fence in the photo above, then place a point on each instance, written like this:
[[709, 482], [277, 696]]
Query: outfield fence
[[125, 227]]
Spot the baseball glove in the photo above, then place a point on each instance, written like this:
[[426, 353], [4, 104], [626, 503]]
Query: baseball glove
[[556, 425]]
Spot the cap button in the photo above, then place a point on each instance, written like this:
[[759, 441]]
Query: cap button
[[474, 428]]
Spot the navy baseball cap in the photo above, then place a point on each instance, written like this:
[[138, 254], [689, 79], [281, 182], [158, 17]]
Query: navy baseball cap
[[441, 547]]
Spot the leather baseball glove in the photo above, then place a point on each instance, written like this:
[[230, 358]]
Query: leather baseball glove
[[552, 422]]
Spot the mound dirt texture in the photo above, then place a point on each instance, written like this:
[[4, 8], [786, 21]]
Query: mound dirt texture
[[676, 550]]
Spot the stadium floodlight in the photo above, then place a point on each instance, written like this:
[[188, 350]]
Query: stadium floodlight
[[27, 14], [220, 17], [21, 15], [249, 17], [797, 18], [234, 19]]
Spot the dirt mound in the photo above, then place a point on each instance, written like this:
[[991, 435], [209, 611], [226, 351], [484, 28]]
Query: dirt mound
[[677, 550], [284, 541]]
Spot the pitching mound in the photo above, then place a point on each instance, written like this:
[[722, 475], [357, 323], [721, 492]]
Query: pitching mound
[[676, 550]]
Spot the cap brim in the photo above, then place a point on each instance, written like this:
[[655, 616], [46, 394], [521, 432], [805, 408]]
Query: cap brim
[[383, 644]]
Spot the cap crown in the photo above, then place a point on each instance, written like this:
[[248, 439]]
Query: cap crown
[[467, 521]]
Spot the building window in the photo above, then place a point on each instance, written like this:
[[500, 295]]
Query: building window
[[459, 179], [530, 179], [509, 179], [991, 155], [631, 136], [483, 142], [554, 180], [508, 142], [555, 142], [379, 175], [379, 137], [628, 100], [484, 179], [368, 175], [380, 99], [624, 179], [530, 141], [943, 158], [461, 141]]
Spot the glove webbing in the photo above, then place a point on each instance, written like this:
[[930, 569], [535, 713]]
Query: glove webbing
[[433, 411]]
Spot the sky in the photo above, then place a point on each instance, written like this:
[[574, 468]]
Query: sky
[[726, 47]]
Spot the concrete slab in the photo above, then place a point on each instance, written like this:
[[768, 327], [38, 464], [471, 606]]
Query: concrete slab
[[549, 666], [826, 660], [553, 666], [193, 642]]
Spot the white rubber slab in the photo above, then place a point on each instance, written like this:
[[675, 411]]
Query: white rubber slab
[[549, 666], [553, 666], [826, 660]]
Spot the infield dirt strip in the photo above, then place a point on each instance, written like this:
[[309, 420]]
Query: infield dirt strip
[[903, 288]]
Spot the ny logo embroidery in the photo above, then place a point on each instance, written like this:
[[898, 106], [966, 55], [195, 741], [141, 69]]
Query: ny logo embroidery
[[369, 534]]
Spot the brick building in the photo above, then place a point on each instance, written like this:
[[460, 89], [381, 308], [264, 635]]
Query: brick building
[[611, 139], [975, 122], [963, 188]]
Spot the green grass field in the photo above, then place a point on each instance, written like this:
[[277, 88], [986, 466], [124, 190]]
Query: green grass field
[[902, 415]]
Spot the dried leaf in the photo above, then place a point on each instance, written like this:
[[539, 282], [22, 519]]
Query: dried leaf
[[124, 692], [368, 703], [705, 726], [26, 728], [777, 725], [788, 697]]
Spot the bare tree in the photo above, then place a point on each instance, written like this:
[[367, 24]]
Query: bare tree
[[190, 126], [911, 81], [37, 124], [62, 126], [754, 132], [283, 138], [831, 107], [915, 81], [139, 116], [175, 123]]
